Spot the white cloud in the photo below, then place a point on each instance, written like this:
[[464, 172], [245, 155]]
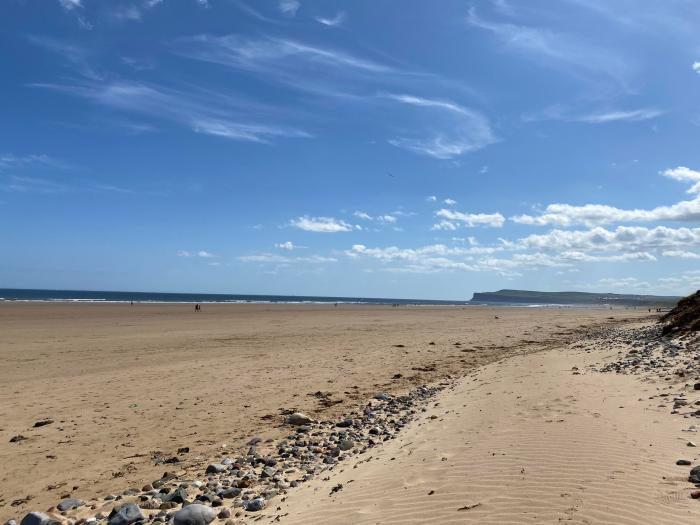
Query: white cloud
[[282, 259], [382, 219], [595, 214], [681, 254], [622, 239], [456, 218], [69, 5], [431, 198], [287, 245], [683, 174], [321, 224], [337, 20], [598, 214], [201, 253], [463, 130], [289, 7], [450, 202], [696, 67]]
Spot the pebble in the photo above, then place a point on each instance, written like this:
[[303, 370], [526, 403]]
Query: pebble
[[215, 468], [38, 518], [43, 422], [683, 462], [298, 419], [255, 505], [194, 514], [124, 515], [69, 503]]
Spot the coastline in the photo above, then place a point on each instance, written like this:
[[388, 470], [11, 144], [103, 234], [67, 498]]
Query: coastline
[[323, 360]]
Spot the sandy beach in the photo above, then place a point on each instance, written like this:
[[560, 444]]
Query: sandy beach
[[514, 436]]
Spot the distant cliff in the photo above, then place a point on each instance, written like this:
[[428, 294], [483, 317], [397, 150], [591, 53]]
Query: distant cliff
[[583, 298]]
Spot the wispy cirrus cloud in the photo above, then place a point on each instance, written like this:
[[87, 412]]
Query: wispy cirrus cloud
[[634, 115], [333, 21], [289, 7], [201, 111], [321, 224], [450, 131], [557, 50]]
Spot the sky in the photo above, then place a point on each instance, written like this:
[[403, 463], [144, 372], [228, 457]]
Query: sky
[[379, 149]]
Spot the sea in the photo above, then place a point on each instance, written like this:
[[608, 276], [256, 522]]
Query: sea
[[12, 294]]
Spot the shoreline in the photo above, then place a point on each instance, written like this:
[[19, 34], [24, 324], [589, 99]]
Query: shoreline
[[458, 348]]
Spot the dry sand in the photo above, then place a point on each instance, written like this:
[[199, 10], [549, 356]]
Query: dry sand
[[123, 383], [522, 441]]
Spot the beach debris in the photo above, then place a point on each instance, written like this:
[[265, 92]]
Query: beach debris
[[336, 488], [469, 507]]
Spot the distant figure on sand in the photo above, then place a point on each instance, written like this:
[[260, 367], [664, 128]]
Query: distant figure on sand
[[197, 308]]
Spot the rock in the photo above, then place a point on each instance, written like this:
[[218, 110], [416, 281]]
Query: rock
[[696, 386], [694, 476], [255, 505], [183, 450], [43, 422], [345, 423], [682, 462], [216, 468], [10, 522], [382, 396], [691, 444], [268, 472], [125, 515], [297, 419], [346, 444], [38, 518], [223, 514], [194, 514], [695, 494], [70, 503], [147, 487], [17, 439]]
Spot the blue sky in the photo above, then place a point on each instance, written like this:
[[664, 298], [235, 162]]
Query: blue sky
[[396, 149]]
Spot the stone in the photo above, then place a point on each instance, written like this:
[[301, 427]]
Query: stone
[[194, 514], [216, 468], [125, 515], [695, 494], [298, 419], [682, 462], [38, 518], [346, 444], [694, 476], [43, 422], [268, 472], [255, 505], [223, 514], [69, 503], [382, 396], [691, 444], [17, 439]]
